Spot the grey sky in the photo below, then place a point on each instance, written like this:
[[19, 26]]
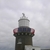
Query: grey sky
[[38, 12]]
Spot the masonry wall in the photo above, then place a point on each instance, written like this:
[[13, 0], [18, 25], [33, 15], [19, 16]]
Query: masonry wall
[[21, 41]]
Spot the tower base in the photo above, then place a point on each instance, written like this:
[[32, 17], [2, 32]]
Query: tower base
[[21, 41]]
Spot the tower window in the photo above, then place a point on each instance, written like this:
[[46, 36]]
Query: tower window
[[19, 41]]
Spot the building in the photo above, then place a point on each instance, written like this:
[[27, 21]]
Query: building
[[30, 47], [24, 35]]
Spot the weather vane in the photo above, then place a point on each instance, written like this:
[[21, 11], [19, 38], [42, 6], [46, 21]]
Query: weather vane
[[23, 14]]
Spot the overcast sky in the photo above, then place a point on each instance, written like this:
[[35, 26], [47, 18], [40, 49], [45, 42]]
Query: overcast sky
[[37, 11]]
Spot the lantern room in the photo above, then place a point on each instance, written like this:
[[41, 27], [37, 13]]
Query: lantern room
[[23, 21]]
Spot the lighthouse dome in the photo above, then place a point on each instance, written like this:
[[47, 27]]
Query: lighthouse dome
[[23, 21]]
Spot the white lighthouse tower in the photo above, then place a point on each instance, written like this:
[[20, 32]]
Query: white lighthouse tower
[[24, 35]]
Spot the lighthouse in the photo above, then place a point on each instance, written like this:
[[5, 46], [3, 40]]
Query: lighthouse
[[23, 33]]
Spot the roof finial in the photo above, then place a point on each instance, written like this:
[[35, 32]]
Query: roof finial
[[23, 14]]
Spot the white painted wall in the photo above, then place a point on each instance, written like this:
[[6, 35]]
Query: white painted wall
[[29, 47]]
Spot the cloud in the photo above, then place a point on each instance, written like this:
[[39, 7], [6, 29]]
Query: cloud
[[38, 12]]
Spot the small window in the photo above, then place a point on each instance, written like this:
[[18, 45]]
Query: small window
[[33, 49]]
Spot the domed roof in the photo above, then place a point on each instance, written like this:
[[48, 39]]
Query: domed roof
[[23, 17]]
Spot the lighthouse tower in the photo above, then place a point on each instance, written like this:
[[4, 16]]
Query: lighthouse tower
[[23, 33]]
